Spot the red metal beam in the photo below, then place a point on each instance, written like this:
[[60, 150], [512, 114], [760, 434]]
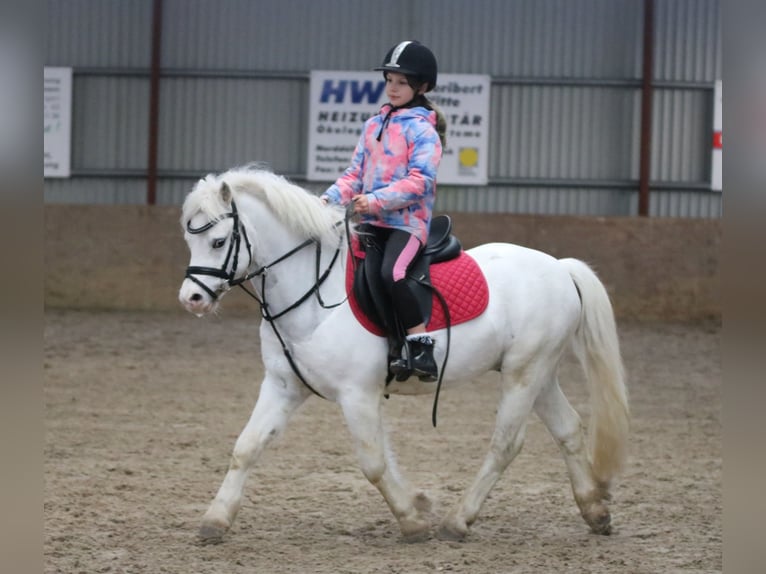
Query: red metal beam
[[646, 110], [154, 104]]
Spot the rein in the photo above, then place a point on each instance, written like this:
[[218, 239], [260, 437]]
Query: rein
[[239, 232]]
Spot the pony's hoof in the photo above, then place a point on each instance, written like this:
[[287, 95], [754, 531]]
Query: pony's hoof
[[415, 530], [211, 534], [416, 536], [600, 523], [451, 533]]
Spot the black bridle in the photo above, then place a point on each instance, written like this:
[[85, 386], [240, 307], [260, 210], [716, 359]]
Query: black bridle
[[238, 234]]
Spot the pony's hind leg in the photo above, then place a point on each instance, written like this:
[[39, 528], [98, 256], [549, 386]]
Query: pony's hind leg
[[564, 424], [410, 508], [507, 440], [276, 402]]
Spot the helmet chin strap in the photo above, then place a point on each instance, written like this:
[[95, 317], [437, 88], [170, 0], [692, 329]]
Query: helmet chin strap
[[393, 109], [387, 119]]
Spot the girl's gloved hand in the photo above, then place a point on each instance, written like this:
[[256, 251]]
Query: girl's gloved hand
[[361, 204]]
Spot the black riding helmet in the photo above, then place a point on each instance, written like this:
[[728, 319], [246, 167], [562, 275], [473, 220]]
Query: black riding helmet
[[411, 59]]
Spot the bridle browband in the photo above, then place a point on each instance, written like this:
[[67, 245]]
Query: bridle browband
[[238, 234]]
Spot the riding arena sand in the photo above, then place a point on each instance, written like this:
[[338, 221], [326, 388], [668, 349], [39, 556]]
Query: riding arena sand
[[142, 410]]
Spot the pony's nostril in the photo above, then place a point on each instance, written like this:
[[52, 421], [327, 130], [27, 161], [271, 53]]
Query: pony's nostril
[[196, 297]]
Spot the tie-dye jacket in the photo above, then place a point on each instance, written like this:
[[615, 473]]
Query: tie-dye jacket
[[398, 172]]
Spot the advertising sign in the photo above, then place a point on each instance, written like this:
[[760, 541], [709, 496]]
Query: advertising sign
[[341, 101], [57, 121]]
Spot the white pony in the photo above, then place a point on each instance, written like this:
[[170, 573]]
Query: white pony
[[250, 224]]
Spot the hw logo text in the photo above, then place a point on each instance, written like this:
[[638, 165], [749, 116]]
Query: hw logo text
[[337, 91]]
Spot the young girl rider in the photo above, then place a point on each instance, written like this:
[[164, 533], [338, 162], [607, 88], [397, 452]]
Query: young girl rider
[[392, 182]]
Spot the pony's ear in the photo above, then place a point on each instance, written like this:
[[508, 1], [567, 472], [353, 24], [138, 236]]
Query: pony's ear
[[225, 192]]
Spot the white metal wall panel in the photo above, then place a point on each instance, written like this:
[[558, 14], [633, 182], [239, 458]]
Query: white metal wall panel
[[680, 203], [96, 190], [227, 122], [527, 38], [687, 44], [682, 129], [110, 123], [288, 35], [172, 191], [534, 38], [98, 33], [564, 132], [565, 105]]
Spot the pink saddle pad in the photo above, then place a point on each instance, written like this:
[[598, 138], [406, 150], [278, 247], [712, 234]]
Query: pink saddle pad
[[459, 280]]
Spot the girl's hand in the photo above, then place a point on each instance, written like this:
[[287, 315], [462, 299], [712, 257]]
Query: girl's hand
[[361, 204]]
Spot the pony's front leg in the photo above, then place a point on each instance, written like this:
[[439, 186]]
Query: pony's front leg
[[276, 402], [411, 509]]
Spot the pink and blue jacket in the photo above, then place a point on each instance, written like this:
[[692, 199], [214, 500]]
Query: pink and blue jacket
[[395, 162]]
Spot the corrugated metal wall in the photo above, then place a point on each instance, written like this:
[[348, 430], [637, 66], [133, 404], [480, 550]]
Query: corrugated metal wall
[[565, 102]]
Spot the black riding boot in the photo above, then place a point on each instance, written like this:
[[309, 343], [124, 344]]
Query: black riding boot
[[421, 363]]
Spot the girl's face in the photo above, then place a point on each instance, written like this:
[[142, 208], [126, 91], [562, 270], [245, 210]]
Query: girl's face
[[399, 92]]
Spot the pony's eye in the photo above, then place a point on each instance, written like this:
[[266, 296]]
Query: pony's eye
[[218, 243]]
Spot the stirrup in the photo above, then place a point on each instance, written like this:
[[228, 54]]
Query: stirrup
[[400, 369], [426, 377], [402, 372]]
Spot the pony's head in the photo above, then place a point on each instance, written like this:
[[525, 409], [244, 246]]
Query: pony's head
[[218, 242], [220, 228]]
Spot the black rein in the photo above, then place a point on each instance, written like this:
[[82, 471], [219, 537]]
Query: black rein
[[239, 233]]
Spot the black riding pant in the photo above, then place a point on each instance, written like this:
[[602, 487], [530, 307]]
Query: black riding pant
[[399, 250]]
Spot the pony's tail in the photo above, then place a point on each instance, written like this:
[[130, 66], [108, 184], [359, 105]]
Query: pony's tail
[[598, 349]]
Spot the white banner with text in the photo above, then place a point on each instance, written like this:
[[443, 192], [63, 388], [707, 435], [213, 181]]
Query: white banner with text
[[57, 121], [341, 101]]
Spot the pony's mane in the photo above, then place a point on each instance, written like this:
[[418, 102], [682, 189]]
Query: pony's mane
[[292, 205]]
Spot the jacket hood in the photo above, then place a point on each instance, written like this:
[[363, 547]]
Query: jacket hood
[[389, 112], [407, 113]]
